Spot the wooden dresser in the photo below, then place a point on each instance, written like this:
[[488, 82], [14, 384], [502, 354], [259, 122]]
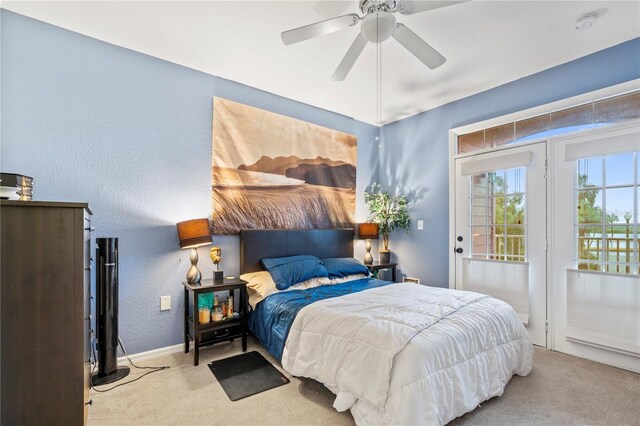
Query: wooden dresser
[[44, 311]]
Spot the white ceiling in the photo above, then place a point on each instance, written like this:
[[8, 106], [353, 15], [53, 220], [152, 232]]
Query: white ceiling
[[487, 43]]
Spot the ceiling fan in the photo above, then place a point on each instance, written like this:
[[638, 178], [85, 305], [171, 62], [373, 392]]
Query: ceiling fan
[[377, 25]]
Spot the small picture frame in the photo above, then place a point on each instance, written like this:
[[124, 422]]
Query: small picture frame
[[411, 280]]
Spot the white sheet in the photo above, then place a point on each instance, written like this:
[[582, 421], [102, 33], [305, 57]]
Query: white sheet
[[260, 285], [407, 354]]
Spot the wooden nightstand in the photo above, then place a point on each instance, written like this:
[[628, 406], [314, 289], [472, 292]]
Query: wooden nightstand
[[218, 331], [376, 266]]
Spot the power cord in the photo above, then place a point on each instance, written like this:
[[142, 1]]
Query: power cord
[[124, 351], [153, 369]]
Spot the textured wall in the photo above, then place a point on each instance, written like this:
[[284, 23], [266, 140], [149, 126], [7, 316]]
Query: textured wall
[[414, 153], [131, 135]]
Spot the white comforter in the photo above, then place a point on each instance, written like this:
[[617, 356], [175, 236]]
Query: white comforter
[[408, 354]]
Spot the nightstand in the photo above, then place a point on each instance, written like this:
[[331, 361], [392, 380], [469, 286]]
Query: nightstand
[[376, 266], [213, 331]]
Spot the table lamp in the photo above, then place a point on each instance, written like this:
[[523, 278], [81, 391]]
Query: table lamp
[[368, 231], [193, 234]]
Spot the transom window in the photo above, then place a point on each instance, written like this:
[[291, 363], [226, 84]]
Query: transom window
[[607, 213], [498, 213], [603, 112]]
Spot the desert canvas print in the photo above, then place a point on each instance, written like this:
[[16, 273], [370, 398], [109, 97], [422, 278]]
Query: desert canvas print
[[275, 172]]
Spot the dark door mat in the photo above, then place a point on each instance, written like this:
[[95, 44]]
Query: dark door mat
[[246, 374]]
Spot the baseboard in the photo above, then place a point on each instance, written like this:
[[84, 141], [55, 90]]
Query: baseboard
[[154, 353]]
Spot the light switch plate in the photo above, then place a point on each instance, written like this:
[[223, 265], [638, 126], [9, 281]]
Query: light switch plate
[[165, 303], [420, 225]]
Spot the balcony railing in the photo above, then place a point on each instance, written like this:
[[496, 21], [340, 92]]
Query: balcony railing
[[616, 256], [618, 253], [511, 246]]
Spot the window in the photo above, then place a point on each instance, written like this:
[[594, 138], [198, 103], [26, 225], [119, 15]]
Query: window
[[607, 213], [497, 210], [603, 112]]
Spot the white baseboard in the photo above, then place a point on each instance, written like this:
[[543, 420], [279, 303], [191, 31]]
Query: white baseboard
[[154, 353]]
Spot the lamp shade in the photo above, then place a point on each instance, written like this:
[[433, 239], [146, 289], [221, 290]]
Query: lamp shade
[[368, 231], [194, 233]]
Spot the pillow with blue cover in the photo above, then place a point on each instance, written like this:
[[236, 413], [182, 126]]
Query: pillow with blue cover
[[339, 267], [287, 271]]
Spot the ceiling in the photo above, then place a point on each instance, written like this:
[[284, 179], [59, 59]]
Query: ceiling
[[487, 43]]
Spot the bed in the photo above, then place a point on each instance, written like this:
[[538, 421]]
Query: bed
[[392, 353]]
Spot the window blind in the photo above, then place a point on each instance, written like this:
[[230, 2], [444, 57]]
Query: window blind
[[498, 162]]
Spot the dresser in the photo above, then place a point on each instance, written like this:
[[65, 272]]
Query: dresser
[[45, 312]]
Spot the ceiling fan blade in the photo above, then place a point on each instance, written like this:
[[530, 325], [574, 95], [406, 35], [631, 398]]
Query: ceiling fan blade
[[409, 7], [328, 8], [320, 28], [350, 58], [418, 47]]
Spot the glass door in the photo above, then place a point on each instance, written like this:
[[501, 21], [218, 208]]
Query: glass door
[[501, 230], [596, 296]]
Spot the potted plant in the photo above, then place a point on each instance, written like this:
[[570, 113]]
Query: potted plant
[[389, 212]]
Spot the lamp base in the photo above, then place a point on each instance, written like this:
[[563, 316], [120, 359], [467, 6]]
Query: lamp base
[[368, 259], [194, 276]]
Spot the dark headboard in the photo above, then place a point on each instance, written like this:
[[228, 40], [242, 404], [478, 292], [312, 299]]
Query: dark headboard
[[258, 244]]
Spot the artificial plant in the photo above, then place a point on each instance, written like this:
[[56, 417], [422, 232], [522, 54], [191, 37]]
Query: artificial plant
[[389, 212]]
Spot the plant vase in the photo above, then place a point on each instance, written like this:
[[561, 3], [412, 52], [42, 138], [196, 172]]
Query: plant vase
[[385, 253]]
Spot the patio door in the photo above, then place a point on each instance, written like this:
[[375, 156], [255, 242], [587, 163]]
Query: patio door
[[500, 229], [596, 295]]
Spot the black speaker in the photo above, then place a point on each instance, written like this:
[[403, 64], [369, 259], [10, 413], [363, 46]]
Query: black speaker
[[107, 312]]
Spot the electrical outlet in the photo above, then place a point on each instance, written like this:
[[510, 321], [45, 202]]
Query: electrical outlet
[[165, 303], [420, 225]]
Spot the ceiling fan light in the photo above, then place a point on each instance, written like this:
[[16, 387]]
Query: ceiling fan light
[[377, 27]]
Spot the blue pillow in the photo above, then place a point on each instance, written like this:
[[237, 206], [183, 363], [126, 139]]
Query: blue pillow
[[339, 267], [287, 271]]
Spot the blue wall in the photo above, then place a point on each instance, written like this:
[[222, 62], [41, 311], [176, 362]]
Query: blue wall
[[414, 153], [131, 135]]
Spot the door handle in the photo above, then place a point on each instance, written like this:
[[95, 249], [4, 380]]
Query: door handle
[[459, 250]]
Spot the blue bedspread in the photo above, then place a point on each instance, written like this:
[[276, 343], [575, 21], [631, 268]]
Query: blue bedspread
[[273, 317]]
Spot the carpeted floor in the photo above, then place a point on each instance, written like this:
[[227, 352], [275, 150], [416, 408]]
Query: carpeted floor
[[561, 390]]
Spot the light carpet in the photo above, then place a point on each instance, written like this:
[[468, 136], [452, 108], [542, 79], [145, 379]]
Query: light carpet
[[561, 390]]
